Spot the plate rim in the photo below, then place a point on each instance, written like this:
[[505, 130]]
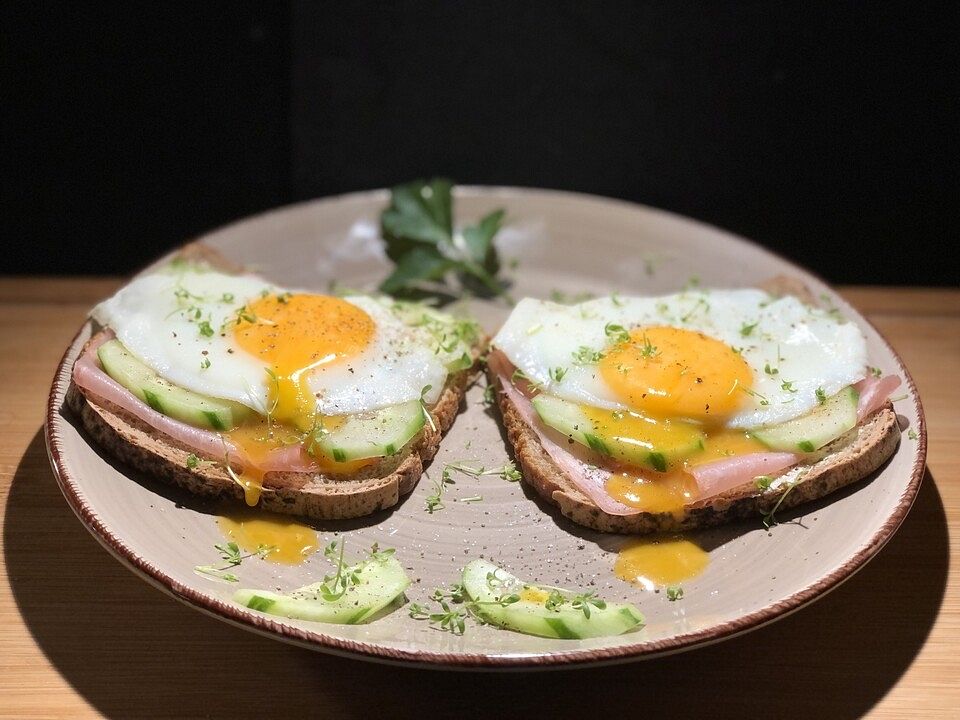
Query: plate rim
[[319, 641]]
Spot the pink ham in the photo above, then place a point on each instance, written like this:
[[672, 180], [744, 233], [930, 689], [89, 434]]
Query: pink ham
[[88, 375], [589, 479], [874, 392], [722, 475]]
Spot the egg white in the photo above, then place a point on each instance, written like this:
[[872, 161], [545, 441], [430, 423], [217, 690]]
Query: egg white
[[158, 318], [807, 347]]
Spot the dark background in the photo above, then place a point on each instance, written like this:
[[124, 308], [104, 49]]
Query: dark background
[[826, 131]]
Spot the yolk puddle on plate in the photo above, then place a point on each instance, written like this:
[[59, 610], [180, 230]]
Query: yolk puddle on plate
[[659, 562], [294, 542]]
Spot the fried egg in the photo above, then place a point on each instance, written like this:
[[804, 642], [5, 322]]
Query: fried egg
[[731, 358], [292, 353]]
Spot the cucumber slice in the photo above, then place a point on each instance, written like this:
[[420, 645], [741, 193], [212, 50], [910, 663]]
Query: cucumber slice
[[381, 581], [626, 436], [487, 583], [163, 396], [373, 434], [817, 428]]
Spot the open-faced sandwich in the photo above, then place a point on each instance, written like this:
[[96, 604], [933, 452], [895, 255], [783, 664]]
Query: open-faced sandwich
[[646, 414], [227, 385]]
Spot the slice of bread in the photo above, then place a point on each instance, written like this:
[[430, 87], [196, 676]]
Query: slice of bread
[[849, 458], [309, 494]]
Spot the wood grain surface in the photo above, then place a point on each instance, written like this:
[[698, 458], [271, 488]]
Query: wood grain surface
[[82, 637]]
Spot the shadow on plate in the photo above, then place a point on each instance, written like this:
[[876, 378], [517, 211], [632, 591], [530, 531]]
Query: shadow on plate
[[132, 651]]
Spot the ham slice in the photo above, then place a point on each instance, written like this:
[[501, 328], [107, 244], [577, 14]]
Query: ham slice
[[874, 392], [589, 479], [722, 475], [88, 375]]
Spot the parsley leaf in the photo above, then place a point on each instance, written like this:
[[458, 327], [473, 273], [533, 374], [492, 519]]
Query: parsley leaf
[[420, 239]]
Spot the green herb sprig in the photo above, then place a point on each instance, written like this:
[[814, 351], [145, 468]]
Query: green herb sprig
[[420, 239]]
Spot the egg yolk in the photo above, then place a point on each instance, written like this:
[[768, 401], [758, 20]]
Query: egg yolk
[[660, 562], [291, 542], [295, 334], [672, 372]]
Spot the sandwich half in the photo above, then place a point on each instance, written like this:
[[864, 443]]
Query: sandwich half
[[643, 415], [228, 386]]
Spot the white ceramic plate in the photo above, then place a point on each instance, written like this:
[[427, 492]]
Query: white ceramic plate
[[564, 241]]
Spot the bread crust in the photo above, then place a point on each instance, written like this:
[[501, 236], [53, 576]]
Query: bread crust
[[312, 495], [846, 460]]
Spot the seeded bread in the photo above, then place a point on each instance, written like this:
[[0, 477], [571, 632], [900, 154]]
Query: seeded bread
[[311, 495], [846, 460]]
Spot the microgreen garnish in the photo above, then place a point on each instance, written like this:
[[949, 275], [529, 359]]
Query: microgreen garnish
[[449, 618], [674, 593], [875, 371], [617, 333], [226, 298], [771, 371], [583, 601], [912, 434], [423, 406], [205, 328], [821, 396], [763, 481], [586, 356], [770, 519], [558, 296], [648, 349], [420, 239], [615, 299], [507, 472], [231, 555], [748, 328], [434, 500], [334, 586], [701, 303], [205, 363], [788, 386], [489, 395], [519, 374], [751, 393], [557, 373], [192, 461]]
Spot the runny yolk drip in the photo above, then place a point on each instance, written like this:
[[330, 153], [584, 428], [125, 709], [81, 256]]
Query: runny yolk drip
[[294, 335], [292, 541], [653, 492], [659, 562], [258, 438], [672, 372], [722, 444]]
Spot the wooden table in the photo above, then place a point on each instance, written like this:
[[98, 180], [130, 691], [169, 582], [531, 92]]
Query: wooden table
[[81, 637]]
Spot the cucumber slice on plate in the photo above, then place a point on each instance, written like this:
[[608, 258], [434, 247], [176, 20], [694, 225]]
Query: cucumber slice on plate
[[810, 432], [543, 611], [379, 581], [374, 434], [163, 396], [626, 436]]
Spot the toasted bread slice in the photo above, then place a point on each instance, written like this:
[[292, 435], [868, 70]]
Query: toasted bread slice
[[847, 459], [309, 494]]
